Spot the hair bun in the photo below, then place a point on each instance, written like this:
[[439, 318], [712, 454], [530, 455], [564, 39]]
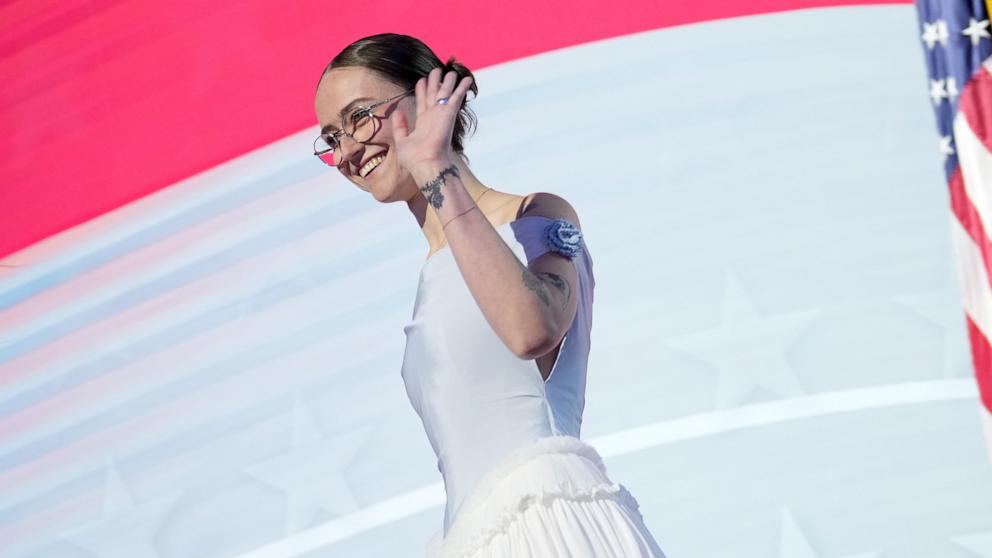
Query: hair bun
[[453, 65]]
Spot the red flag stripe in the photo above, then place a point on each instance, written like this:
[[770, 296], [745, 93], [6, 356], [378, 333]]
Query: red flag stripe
[[975, 106], [981, 356], [105, 102], [966, 214]]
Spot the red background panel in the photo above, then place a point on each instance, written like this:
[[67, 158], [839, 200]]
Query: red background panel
[[105, 101]]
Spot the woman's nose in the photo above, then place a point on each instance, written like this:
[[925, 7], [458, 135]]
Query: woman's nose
[[351, 151]]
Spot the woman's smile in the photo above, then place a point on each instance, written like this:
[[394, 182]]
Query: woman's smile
[[371, 165]]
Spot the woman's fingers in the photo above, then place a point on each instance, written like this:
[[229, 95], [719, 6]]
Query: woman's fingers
[[433, 82], [420, 90], [447, 86], [460, 92], [430, 136], [431, 88]]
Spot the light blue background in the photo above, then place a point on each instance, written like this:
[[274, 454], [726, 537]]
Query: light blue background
[[764, 204]]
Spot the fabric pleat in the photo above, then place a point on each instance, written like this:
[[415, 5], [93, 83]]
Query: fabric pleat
[[550, 499]]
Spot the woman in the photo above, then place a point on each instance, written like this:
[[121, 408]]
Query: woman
[[496, 351]]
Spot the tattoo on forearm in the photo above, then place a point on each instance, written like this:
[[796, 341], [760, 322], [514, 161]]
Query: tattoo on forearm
[[433, 187]]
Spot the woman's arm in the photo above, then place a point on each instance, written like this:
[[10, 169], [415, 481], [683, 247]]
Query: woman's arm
[[529, 307]]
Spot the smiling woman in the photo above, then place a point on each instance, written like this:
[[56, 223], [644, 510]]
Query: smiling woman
[[497, 349]]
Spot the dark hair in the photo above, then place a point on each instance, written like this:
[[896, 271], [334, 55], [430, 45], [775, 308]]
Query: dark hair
[[403, 60]]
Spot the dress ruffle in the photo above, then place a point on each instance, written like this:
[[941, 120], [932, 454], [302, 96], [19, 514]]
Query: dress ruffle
[[550, 498]]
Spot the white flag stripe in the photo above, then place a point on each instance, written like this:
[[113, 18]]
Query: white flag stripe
[[975, 162], [985, 417], [975, 290], [976, 170]]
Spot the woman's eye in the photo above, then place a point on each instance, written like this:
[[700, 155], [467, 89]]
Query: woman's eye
[[359, 115]]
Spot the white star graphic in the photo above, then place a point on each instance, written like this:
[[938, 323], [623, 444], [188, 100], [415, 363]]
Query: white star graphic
[[748, 349], [127, 529], [979, 543], [934, 33], [942, 32], [938, 92], [944, 309], [312, 473], [952, 88], [929, 35], [977, 30], [946, 147], [793, 543]]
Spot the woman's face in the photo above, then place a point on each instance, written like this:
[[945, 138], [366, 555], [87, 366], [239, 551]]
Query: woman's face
[[340, 91]]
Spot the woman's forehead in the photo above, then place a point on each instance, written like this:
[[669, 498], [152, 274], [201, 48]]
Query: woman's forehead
[[341, 86]]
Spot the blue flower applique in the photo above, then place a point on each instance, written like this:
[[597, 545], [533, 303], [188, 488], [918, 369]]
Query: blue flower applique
[[563, 237]]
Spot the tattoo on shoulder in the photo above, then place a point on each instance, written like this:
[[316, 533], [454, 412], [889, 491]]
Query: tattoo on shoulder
[[433, 187], [532, 282], [559, 283]]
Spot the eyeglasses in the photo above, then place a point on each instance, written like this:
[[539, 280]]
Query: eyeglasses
[[360, 126]]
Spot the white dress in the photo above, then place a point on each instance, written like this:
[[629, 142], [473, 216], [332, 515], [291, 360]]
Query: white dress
[[518, 481]]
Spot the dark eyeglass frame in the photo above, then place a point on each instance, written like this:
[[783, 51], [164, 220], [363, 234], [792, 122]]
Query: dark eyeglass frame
[[333, 139]]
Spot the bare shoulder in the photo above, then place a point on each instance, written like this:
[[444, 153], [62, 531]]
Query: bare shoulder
[[549, 205]]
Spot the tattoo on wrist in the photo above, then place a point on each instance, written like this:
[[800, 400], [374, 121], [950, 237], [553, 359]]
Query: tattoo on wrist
[[433, 187]]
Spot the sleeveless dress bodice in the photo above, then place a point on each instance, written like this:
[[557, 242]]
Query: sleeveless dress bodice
[[478, 401]]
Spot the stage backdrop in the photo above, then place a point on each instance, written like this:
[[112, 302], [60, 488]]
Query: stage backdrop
[[201, 326]]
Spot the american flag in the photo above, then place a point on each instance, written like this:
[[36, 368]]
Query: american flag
[[957, 43]]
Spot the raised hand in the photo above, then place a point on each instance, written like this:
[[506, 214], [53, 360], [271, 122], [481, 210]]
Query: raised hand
[[429, 143]]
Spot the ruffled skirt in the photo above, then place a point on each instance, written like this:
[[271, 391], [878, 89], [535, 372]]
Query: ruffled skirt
[[550, 499]]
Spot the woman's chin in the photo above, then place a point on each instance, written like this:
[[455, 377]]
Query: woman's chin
[[381, 192], [385, 189]]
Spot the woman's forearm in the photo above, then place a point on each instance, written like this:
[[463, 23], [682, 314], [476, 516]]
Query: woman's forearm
[[513, 300]]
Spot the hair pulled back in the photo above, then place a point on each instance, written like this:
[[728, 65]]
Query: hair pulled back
[[403, 60]]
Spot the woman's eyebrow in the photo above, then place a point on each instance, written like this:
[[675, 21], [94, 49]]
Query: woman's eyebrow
[[347, 109]]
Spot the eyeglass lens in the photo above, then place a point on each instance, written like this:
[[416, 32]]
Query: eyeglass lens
[[360, 126]]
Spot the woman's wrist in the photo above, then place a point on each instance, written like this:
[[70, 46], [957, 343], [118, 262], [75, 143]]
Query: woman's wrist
[[431, 178], [426, 170]]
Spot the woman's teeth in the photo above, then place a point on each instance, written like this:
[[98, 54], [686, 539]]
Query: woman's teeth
[[373, 163]]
